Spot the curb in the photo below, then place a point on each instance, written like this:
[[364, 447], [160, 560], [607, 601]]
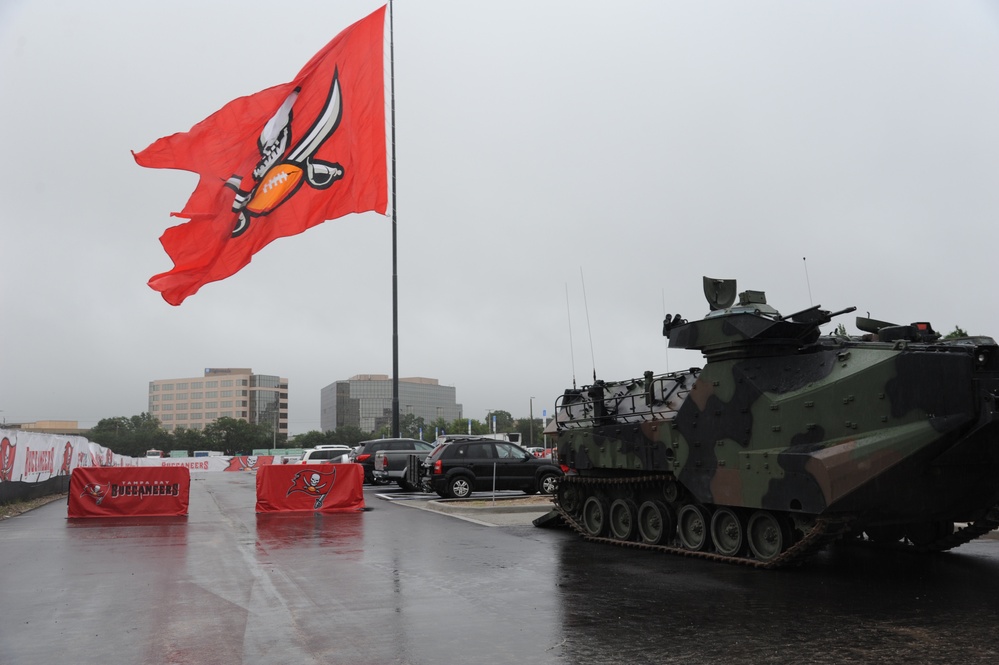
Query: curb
[[463, 506]]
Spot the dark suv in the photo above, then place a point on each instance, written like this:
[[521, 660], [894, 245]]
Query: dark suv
[[458, 468], [364, 453]]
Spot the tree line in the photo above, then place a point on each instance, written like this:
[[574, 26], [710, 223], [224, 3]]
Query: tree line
[[134, 435]]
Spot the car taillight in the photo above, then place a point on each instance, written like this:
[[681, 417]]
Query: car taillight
[[361, 458], [384, 463], [438, 467]]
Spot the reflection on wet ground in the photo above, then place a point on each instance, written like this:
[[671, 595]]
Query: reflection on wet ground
[[397, 584], [849, 604]]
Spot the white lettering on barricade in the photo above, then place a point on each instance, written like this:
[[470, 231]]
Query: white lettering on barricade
[[129, 491]]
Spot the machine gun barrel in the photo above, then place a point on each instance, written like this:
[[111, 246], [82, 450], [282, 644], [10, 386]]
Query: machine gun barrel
[[815, 315]]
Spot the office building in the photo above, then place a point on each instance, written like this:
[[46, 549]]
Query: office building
[[223, 392], [365, 401]]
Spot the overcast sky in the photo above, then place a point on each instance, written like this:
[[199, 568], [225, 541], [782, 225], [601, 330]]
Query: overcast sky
[[628, 146]]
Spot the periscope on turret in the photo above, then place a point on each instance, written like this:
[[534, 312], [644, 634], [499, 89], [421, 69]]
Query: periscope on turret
[[787, 439]]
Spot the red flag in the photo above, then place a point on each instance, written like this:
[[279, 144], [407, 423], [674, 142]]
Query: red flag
[[280, 161]]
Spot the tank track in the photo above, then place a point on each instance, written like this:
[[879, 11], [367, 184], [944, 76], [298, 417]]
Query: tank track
[[823, 532], [977, 529]]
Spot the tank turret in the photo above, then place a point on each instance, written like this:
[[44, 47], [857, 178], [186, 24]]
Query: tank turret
[[787, 438], [751, 327]]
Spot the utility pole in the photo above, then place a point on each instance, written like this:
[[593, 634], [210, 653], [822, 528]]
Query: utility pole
[[531, 436]]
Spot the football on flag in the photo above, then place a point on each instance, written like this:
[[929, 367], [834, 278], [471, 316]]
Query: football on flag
[[279, 183]]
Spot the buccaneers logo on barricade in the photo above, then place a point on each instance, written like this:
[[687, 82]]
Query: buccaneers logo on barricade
[[243, 463], [67, 460], [7, 450], [95, 491], [313, 483]]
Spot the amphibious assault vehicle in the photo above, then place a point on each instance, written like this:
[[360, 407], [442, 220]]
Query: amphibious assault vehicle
[[787, 439]]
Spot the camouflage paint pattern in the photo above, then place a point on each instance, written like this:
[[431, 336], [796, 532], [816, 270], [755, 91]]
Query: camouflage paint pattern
[[783, 419]]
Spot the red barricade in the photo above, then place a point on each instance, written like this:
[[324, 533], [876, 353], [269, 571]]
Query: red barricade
[[326, 488], [129, 491]]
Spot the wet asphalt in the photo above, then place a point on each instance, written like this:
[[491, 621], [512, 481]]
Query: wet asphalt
[[399, 583]]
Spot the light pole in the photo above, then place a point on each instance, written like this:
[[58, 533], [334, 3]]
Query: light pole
[[531, 435]]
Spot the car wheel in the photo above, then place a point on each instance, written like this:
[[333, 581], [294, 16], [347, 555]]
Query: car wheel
[[548, 483], [459, 487]]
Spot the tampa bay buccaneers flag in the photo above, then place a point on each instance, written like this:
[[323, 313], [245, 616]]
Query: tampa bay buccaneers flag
[[280, 161]]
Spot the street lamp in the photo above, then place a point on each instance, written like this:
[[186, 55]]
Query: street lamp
[[531, 435]]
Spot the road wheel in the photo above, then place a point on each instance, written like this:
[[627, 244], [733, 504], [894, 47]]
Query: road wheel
[[548, 483], [726, 532], [768, 536], [595, 516], [459, 487], [570, 498], [656, 523], [623, 519], [692, 525]]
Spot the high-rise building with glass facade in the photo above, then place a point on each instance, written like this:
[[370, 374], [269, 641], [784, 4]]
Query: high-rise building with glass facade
[[365, 401], [223, 392]]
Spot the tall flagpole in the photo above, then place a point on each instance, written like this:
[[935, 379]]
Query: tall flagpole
[[395, 274]]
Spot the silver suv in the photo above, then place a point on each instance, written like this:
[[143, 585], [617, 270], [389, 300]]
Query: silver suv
[[325, 455]]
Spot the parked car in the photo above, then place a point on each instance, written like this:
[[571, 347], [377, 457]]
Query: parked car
[[393, 465], [537, 452], [464, 466], [325, 454], [364, 454]]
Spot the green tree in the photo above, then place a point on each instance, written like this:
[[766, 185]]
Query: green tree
[[188, 440], [436, 428], [504, 421], [349, 435], [460, 426], [232, 436], [531, 432], [313, 439], [958, 331], [131, 436], [409, 428]]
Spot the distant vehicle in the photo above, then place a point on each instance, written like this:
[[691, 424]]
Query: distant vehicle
[[364, 454], [537, 452], [207, 453], [154, 453], [464, 466], [392, 464], [325, 454], [512, 437]]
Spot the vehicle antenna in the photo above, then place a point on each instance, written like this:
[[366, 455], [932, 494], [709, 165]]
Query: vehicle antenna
[[572, 357], [804, 260], [589, 331], [665, 339]]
